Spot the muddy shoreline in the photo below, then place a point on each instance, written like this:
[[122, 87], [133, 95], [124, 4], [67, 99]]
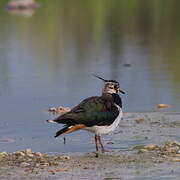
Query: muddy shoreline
[[146, 165], [156, 154]]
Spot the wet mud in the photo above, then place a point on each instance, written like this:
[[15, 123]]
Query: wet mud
[[145, 146]]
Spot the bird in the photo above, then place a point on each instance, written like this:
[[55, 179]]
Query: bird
[[97, 114]]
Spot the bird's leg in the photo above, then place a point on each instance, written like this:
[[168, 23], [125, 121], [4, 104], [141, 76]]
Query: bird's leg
[[97, 149], [102, 147], [64, 140], [96, 142]]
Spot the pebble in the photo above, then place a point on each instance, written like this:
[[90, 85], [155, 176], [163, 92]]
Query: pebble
[[65, 157], [30, 155], [52, 172], [177, 155], [28, 151], [175, 159], [140, 120], [143, 150], [38, 154], [110, 142], [59, 110], [24, 164], [163, 106], [45, 164], [37, 165], [19, 153], [178, 152], [3, 154], [172, 149], [175, 143], [151, 147]]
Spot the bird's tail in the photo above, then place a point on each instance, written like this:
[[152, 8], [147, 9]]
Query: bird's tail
[[62, 131], [68, 129], [51, 121]]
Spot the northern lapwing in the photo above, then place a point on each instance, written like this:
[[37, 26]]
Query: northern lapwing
[[97, 114]]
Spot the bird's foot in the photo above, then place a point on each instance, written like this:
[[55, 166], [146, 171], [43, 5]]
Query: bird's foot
[[96, 154]]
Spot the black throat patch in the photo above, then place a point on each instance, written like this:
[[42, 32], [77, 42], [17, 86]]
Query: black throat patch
[[117, 99]]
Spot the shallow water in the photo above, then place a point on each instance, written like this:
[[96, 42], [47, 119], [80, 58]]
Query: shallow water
[[47, 58]]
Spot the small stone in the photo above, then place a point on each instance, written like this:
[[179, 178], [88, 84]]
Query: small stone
[[110, 142], [45, 155], [63, 109], [28, 151], [3, 154], [143, 150], [140, 120], [59, 110], [177, 155], [151, 147], [45, 164], [51, 171], [52, 109], [175, 159], [175, 143], [24, 164], [37, 165], [19, 153], [172, 149], [29, 160], [61, 169], [38, 154], [54, 163], [30, 155], [138, 147], [163, 106], [65, 157], [42, 161]]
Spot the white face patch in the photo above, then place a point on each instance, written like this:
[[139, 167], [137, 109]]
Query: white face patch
[[111, 88]]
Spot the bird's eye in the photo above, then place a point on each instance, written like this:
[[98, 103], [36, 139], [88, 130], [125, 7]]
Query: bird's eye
[[111, 87], [116, 86]]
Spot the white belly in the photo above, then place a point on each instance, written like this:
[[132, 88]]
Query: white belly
[[98, 130]]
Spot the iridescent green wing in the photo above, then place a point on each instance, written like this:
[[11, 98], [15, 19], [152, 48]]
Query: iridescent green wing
[[92, 111]]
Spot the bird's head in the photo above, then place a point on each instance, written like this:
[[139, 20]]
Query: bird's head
[[111, 86]]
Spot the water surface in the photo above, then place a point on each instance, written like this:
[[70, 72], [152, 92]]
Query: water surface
[[47, 58]]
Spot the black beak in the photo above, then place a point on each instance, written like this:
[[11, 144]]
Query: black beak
[[122, 92]]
